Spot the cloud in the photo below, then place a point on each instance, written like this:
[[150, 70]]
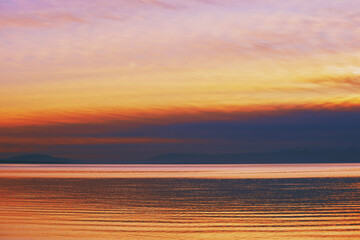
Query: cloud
[[132, 118], [41, 13], [42, 20], [349, 83]]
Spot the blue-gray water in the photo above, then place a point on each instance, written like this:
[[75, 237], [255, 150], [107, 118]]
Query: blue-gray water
[[179, 208]]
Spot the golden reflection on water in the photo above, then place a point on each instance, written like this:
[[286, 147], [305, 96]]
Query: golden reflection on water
[[179, 208], [235, 171]]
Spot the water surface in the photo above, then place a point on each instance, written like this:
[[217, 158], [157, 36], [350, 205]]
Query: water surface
[[73, 206], [180, 170]]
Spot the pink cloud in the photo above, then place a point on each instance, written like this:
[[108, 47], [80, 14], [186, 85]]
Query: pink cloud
[[39, 20]]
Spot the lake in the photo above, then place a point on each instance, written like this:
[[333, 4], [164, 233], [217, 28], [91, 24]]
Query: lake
[[274, 201]]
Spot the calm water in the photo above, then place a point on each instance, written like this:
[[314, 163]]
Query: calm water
[[171, 206]]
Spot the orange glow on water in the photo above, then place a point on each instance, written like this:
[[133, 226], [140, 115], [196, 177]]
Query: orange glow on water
[[149, 207], [217, 171]]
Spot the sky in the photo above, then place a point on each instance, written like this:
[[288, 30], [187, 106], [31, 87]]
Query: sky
[[131, 79]]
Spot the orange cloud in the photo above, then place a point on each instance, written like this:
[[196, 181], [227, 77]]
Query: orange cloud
[[351, 83], [131, 118]]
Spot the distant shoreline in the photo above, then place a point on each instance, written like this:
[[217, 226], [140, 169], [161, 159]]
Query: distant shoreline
[[280, 157]]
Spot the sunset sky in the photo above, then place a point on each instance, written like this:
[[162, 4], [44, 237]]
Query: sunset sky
[[130, 79]]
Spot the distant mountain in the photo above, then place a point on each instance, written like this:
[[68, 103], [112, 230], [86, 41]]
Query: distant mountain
[[289, 156], [293, 156], [36, 158]]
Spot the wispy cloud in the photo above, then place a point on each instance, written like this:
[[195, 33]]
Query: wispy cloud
[[350, 83], [38, 20], [121, 121]]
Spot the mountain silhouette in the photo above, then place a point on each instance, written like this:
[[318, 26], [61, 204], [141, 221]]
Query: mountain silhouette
[[289, 156], [37, 158]]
